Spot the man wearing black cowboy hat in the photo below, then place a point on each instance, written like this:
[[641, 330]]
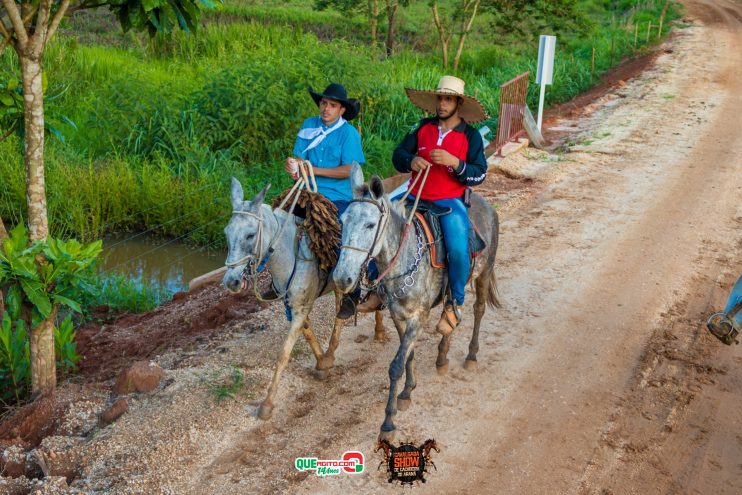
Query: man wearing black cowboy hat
[[331, 145]]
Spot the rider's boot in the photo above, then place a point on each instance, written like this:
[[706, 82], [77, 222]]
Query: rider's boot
[[372, 303], [348, 305], [450, 319]]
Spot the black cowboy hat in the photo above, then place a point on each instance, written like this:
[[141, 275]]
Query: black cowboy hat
[[337, 92]]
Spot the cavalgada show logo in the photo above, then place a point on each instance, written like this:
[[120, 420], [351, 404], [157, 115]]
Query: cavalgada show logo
[[351, 462], [407, 463]]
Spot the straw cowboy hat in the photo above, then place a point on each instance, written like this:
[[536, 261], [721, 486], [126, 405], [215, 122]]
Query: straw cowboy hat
[[470, 109], [337, 92]]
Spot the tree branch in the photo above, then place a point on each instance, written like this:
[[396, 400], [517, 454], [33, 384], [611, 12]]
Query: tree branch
[[29, 16], [15, 19], [42, 20], [83, 6], [57, 19], [7, 134], [466, 27], [441, 34]]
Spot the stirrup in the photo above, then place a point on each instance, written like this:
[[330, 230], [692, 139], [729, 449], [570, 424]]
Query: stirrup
[[722, 328]]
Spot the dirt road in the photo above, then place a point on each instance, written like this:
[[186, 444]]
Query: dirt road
[[596, 376]]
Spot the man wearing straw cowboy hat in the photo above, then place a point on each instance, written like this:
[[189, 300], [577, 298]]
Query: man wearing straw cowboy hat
[[330, 145], [454, 152]]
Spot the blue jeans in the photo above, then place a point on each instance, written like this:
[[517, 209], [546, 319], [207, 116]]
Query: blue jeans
[[456, 228], [735, 297]]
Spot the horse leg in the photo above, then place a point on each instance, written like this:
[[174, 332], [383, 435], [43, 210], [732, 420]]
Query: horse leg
[[266, 407], [404, 401], [479, 306], [441, 362], [311, 338], [328, 359], [379, 330], [396, 368]]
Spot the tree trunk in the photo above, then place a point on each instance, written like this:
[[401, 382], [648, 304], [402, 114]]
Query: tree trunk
[[373, 19], [43, 365], [441, 34], [33, 96], [391, 13], [466, 27], [43, 362]]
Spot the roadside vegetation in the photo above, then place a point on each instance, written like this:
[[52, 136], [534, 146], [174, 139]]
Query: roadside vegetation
[[143, 133], [146, 133]]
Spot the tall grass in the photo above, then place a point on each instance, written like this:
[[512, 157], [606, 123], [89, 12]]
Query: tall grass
[[161, 127]]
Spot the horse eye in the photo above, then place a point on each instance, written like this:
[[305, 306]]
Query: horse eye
[[370, 225], [249, 236]]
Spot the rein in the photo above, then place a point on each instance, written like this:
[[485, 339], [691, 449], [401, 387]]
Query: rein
[[405, 232], [251, 270]]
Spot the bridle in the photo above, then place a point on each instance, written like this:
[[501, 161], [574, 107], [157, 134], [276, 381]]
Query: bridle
[[372, 251]]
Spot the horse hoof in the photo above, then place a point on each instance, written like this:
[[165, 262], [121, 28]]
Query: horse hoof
[[442, 369], [321, 375], [265, 411], [403, 404], [380, 338], [387, 435], [325, 363], [470, 365]]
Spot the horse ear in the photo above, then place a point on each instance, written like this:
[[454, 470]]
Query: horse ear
[[356, 180], [258, 199], [238, 196], [377, 187]]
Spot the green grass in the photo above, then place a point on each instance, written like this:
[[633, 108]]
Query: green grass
[[229, 387], [120, 293], [163, 125]]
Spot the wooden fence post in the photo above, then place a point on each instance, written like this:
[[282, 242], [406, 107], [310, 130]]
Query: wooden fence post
[[649, 30], [592, 66]]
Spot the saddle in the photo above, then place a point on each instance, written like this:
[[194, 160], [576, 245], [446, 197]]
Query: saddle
[[427, 221]]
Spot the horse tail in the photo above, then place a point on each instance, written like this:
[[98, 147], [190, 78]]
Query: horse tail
[[492, 300]]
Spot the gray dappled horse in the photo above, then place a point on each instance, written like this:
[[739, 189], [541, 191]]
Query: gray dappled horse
[[295, 271], [372, 228]]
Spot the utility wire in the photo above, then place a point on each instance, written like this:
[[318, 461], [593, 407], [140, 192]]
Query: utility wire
[[166, 244]]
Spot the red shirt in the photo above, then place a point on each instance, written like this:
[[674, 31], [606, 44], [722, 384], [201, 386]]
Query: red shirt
[[442, 182]]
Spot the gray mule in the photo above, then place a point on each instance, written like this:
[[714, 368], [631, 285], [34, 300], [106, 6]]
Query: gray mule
[[254, 223], [373, 226]]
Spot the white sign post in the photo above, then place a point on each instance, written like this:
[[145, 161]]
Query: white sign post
[[545, 71]]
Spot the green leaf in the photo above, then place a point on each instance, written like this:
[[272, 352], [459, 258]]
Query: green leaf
[[13, 84], [74, 305], [38, 298], [68, 121], [56, 132], [14, 302], [36, 318]]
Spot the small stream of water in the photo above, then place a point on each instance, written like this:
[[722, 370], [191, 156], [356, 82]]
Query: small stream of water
[[148, 260]]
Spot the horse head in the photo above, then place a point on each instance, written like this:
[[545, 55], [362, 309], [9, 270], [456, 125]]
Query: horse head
[[363, 224], [244, 241]]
